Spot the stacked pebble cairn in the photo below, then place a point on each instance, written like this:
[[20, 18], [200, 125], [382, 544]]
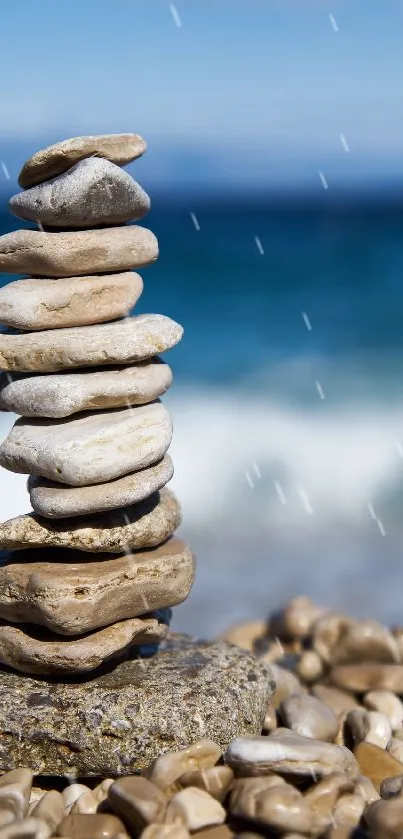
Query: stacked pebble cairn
[[86, 380]]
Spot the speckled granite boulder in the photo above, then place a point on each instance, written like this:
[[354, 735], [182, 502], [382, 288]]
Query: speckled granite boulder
[[116, 723]]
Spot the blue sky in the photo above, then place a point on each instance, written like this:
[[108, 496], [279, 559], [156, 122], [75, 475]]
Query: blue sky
[[255, 90]]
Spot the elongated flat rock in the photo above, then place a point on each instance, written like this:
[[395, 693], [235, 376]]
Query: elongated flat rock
[[55, 501], [51, 161], [67, 254], [75, 301], [39, 652], [122, 342], [143, 525], [63, 394], [117, 723], [71, 594], [94, 448], [94, 191]]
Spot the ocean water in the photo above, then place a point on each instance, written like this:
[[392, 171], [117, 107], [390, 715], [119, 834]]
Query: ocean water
[[287, 403]]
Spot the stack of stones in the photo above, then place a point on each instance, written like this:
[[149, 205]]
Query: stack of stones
[[91, 573]]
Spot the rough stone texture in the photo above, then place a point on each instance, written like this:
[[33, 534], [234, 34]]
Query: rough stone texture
[[76, 301], [72, 594], [55, 159], [117, 723], [143, 525], [93, 192], [63, 394], [122, 342], [67, 254], [92, 449], [35, 651], [54, 501]]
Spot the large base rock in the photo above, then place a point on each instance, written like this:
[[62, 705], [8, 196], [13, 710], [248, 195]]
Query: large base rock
[[119, 721]]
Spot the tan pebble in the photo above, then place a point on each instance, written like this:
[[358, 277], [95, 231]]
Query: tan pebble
[[26, 829], [340, 640], [245, 634], [340, 701], [72, 792], [15, 791], [366, 789], [376, 763], [194, 808], [138, 801], [327, 632], [86, 804], [279, 806], [395, 748], [270, 720], [94, 826], [387, 703], [349, 809], [100, 792], [385, 819], [371, 726], [286, 684], [221, 831], [51, 809], [323, 796], [166, 769], [296, 619], [309, 717], [217, 781], [166, 831], [361, 678], [392, 787], [345, 831], [36, 795], [310, 667]]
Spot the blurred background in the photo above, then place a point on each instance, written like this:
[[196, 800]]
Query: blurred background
[[275, 167]]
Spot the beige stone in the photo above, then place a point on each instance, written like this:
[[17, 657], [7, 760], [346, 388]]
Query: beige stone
[[15, 791], [309, 667], [387, 703], [217, 780], [288, 753], [324, 795], [50, 809], [26, 829], [55, 501], [366, 789], [194, 808], [270, 720], [100, 792], [52, 160], [371, 726], [67, 254], [138, 801], [144, 525], [338, 700], [59, 395], [376, 764], [170, 831], [361, 678], [395, 748], [221, 831], [287, 684], [36, 304], [349, 809], [76, 596], [90, 449], [245, 634], [341, 640], [93, 192], [121, 342], [85, 804], [167, 768], [96, 826], [46, 654], [277, 805], [309, 717], [297, 619], [72, 793]]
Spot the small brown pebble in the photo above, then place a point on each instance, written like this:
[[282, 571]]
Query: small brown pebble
[[371, 726], [15, 791], [222, 831], [376, 763], [166, 770], [309, 667], [85, 804], [94, 826], [297, 619], [278, 805], [270, 720], [365, 787], [385, 819], [51, 809], [26, 829], [392, 787], [165, 831], [308, 716], [138, 801], [100, 792], [72, 792], [194, 808], [217, 781]]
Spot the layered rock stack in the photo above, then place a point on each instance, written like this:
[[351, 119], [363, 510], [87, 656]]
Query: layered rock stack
[[92, 572]]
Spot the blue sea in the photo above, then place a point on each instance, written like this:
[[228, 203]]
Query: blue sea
[[287, 401]]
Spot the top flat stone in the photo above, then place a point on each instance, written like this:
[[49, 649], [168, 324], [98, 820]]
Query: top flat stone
[[92, 192], [55, 159], [79, 252]]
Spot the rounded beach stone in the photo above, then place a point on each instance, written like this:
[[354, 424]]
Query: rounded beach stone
[[194, 808], [67, 254], [168, 768], [122, 342], [55, 501], [55, 159], [376, 763], [143, 525], [60, 395], [71, 595], [36, 304], [50, 809], [361, 678], [15, 791], [138, 802], [307, 716], [26, 829], [43, 653], [267, 801], [213, 690], [94, 826], [94, 448], [93, 192]]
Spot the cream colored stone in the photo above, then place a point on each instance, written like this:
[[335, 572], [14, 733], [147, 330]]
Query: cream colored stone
[[43, 654], [309, 717], [90, 449], [75, 596], [72, 793], [52, 160], [338, 700], [67, 254], [361, 678], [85, 804], [349, 809], [371, 726], [144, 525], [167, 768], [100, 792], [278, 806], [270, 720], [55, 501], [194, 808], [217, 780], [36, 304], [309, 667], [26, 829], [341, 640], [138, 801], [287, 684], [59, 395], [121, 342], [366, 789], [15, 791], [387, 703], [288, 753], [50, 809]]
